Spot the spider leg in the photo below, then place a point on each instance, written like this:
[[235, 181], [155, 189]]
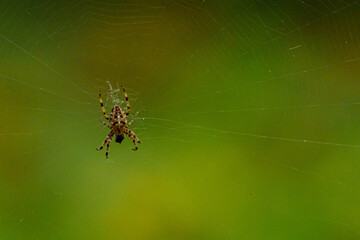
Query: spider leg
[[107, 139], [102, 145], [136, 148], [107, 147], [131, 122], [104, 123], [127, 101], [132, 135], [102, 106], [112, 115]]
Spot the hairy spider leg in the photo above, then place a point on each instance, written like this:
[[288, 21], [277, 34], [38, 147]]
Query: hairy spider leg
[[102, 106], [127, 101]]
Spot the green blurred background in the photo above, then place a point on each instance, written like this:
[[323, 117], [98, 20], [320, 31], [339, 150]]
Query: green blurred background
[[248, 112]]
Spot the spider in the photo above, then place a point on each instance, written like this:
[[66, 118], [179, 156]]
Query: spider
[[118, 124]]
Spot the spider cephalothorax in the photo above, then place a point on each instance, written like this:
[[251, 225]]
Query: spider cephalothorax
[[118, 124]]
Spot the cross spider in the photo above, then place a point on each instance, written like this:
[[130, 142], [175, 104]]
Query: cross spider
[[118, 124]]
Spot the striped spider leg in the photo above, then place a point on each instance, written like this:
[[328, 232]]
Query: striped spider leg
[[107, 142]]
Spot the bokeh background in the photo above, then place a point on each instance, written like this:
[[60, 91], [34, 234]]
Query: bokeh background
[[248, 112]]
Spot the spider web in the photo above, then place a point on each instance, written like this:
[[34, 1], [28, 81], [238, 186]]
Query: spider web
[[248, 113]]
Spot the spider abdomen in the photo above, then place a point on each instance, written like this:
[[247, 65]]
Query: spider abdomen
[[119, 138]]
